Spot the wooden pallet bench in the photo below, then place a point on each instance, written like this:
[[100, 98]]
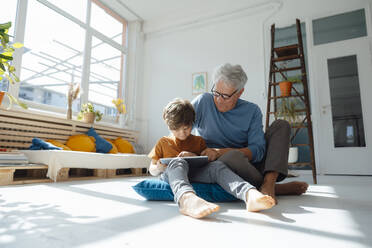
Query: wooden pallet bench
[[18, 128], [33, 173]]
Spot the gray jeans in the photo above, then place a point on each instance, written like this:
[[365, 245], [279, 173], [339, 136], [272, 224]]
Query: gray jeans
[[276, 157], [179, 175]]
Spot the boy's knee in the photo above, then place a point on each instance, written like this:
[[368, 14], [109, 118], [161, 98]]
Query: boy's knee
[[178, 163]]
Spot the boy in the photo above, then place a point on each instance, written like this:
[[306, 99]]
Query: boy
[[179, 115]]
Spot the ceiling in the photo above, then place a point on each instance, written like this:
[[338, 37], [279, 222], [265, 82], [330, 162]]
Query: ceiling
[[153, 10]]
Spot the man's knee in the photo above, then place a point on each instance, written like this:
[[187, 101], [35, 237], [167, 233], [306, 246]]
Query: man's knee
[[232, 155], [281, 125], [233, 159]]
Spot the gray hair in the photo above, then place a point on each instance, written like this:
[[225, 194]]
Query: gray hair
[[232, 75]]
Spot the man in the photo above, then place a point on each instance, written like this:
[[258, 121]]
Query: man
[[233, 131]]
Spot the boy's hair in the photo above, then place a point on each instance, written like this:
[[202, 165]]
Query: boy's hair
[[179, 113]]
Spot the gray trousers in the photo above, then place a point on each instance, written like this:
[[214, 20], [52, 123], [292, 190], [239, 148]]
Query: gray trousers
[[179, 175], [276, 157]]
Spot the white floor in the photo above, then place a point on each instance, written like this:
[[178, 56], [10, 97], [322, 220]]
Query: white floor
[[108, 213]]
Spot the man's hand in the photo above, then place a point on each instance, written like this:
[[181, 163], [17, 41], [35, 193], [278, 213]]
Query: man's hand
[[186, 154], [212, 154]]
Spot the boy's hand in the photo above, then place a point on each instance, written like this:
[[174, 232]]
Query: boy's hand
[[186, 154], [212, 154], [161, 167]]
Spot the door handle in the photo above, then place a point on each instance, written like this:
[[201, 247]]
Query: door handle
[[324, 108]]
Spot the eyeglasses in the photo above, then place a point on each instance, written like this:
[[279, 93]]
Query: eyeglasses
[[224, 96]]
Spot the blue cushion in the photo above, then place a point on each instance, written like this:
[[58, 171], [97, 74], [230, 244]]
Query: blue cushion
[[157, 190], [102, 145], [39, 144]]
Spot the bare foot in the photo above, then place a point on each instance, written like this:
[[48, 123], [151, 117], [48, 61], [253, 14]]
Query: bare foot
[[268, 185], [291, 188], [256, 201], [196, 207]]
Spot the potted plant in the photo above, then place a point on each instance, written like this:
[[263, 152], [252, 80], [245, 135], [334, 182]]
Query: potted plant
[[286, 85], [7, 70], [120, 107], [88, 114], [287, 111]]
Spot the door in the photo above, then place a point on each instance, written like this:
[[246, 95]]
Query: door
[[344, 93]]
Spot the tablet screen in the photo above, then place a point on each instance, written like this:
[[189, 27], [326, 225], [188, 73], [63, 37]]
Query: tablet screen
[[195, 161]]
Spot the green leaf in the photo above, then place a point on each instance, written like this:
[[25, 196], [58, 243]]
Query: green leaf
[[2, 66], [6, 25], [6, 57], [16, 78], [12, 100]]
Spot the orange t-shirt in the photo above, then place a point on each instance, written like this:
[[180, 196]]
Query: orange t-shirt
[[170, 146]]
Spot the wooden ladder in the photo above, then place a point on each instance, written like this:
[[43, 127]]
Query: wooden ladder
[[286, 54]]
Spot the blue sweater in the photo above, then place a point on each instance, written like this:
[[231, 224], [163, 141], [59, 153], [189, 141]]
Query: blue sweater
[[240, 127]]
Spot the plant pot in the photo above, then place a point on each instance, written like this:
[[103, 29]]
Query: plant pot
[[2, 94], [89, 117], [285, 88], [293, 155]]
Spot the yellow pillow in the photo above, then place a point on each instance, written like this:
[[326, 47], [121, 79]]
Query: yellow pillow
[[123, 145], [59, 144], [82, 143], [114, 149]]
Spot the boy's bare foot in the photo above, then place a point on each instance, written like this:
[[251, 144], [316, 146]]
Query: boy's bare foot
[[291, 188], [256, 201], [196, 207]]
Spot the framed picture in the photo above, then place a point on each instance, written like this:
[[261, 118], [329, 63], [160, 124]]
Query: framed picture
[[199, 83]]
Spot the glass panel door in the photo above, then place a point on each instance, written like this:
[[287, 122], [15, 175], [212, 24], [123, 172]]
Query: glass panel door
[[343, 85]]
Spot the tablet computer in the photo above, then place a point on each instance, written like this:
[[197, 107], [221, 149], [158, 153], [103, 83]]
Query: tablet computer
[[195, 161]]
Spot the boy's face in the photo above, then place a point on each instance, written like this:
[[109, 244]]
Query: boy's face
[[182, 132]]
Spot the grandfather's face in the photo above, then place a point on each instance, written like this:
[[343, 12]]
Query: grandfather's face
[[225, 96]]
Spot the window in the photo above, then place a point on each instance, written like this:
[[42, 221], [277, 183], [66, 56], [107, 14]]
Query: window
[[52, 59], [88, 52], [106, 63], [340, 27], [8, 14]]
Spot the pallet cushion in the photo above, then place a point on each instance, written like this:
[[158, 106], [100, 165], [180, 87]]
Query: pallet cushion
[[39, 144], [59, 144], [157, 190], [124, 146], [82, 143], [102, 145]]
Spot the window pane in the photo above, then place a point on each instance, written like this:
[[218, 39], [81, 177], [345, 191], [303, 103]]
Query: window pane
[[107, 22], [347, 117], [105, 76], [8, 14], [340, 27], [76, 8], [52, 59]]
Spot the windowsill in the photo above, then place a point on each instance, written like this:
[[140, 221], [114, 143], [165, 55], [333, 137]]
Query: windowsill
[[62, 116]]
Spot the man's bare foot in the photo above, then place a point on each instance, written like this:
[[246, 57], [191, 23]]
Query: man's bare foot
[[291, 188], [268, 185], [196, 207], [256, 201]]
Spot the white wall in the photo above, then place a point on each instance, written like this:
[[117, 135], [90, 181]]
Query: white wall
[[171, 57]]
